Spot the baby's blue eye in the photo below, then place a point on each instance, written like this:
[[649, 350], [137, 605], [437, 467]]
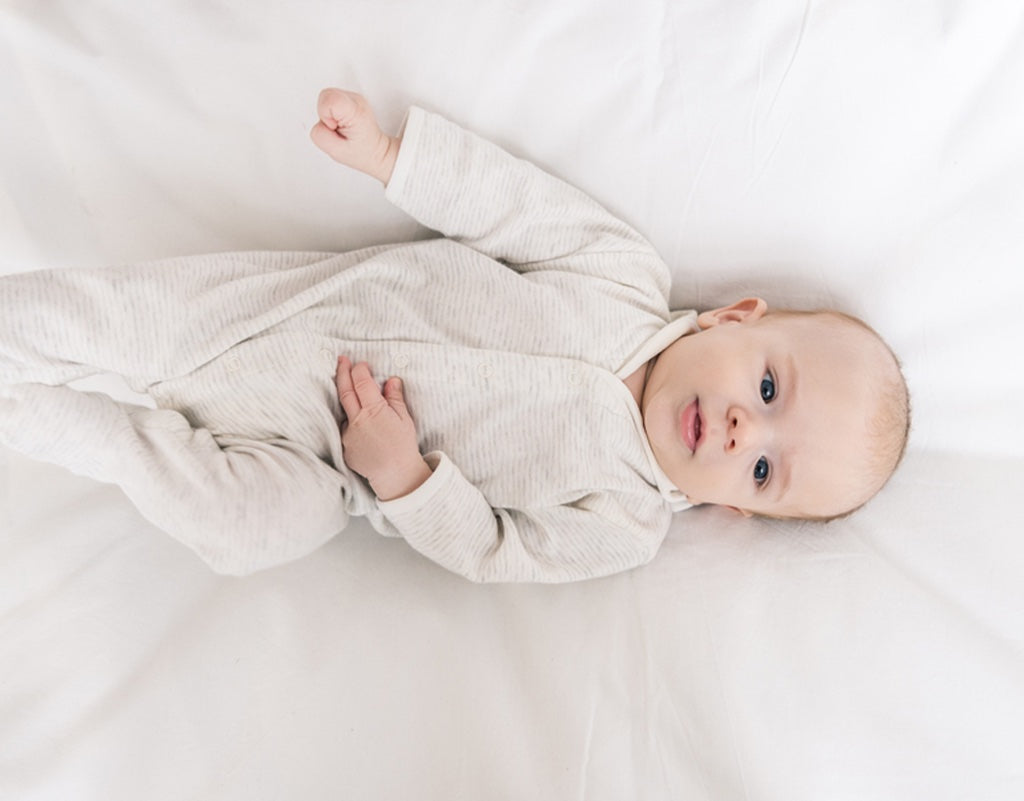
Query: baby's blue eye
[[767, 388], [761, 471]]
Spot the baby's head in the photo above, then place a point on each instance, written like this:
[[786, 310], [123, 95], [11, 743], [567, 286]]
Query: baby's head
[[784, 414]]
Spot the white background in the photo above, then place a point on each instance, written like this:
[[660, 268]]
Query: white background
[[868, 156]]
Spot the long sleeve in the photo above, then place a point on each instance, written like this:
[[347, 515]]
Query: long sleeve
[[242, 505], [470, 190], [450, 521]]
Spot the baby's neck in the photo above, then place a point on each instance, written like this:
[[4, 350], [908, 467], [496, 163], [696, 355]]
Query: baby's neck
[[635, 382]]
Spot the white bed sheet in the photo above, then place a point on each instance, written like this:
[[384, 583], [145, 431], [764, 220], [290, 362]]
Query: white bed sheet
[[863, 155]]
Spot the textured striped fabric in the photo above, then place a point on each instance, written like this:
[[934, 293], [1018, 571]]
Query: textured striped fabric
[[511, 334]]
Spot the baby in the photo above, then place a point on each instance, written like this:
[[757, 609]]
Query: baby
[[551, 413]]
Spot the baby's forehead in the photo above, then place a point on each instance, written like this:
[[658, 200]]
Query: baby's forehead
[[831, 451], [833, 335], [853, 407], [833, 322]]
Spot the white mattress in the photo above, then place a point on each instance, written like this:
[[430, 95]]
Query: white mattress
[[865, 155]]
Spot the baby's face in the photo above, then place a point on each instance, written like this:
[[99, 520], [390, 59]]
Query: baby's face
[[764, 413]]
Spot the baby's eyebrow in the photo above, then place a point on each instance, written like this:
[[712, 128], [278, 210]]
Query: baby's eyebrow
[[789, 393], [789, 376], [785, 476]]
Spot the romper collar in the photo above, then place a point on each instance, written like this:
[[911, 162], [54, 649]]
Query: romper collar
[[680, 324]]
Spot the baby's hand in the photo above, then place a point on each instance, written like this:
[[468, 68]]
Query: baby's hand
[[379, 438], [348, 133]]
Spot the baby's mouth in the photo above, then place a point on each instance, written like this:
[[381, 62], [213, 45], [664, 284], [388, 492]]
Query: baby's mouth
[[691, 425]]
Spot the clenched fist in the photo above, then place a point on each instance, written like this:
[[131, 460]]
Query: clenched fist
[[348, 132]]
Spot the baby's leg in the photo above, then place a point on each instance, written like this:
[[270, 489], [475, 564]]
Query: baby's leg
[[242, 505], [151, 321]]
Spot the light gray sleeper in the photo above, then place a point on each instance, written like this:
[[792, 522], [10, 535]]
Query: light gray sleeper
[[512, 335]]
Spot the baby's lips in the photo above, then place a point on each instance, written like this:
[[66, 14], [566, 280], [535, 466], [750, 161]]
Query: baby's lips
[[690, 425]]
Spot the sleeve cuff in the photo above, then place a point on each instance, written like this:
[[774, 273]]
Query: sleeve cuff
[[412, 127], [442, 472]]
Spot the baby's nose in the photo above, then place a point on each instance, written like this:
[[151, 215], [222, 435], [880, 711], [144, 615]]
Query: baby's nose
[[741, 429]]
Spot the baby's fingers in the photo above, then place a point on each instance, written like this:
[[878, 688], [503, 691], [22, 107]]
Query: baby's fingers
[[395, 396], [324, 138], [336, 107], [346, 389], [366, 388]]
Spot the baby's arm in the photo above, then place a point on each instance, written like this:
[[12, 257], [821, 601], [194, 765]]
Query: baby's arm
[[451, 522], [472, 191]]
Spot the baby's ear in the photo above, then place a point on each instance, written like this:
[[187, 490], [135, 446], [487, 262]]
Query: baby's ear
[[742, 311]]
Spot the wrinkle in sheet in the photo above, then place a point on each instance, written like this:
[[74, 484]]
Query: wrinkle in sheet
[[792, 57], [727, 705], [754, 135], [586, 754], [691, 191], [642, 694], [663, 701], [653, 699]]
